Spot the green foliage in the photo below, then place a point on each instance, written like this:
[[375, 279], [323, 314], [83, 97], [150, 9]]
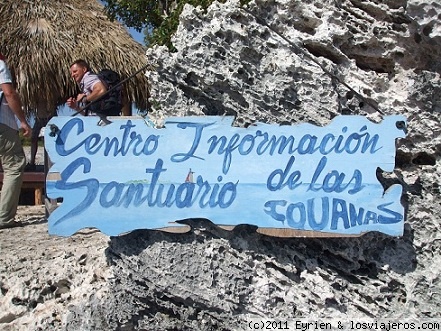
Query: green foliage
[[159, 18], [25, 141], [136, 14]]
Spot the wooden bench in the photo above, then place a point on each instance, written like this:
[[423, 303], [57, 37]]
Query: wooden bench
[[35, 181]]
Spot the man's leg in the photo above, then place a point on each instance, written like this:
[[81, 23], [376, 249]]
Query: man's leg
[[34, 141], [13, 160]]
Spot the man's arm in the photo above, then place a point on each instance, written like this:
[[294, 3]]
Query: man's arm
[[14, 103], [98, 90]]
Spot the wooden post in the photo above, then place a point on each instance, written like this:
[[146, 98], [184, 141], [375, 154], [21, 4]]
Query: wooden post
[[50, 204], [38, 195]]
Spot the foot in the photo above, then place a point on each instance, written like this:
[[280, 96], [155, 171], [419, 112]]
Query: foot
[[11, 224]]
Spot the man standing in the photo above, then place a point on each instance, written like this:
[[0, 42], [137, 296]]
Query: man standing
[[92, 88], [12, 156]]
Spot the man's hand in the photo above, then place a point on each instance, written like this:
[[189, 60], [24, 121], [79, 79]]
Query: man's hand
[[27, 130], [72, 103]]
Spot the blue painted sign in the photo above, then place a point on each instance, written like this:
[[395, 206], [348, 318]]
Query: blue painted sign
[[128, 175]]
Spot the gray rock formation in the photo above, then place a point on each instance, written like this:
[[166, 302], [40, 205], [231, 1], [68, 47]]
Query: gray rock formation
[[274, 61]]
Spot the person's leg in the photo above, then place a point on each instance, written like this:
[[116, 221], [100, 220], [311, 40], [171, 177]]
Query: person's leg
[[34, 140], [13, 160], [39, 124]]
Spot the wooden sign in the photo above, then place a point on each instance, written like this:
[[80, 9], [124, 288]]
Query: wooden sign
[[287, 180]]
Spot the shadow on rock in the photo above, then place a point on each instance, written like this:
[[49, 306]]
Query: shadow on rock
[[365, 255]]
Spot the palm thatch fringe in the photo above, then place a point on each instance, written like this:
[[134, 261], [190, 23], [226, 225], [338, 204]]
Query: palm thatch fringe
[[41, 38]]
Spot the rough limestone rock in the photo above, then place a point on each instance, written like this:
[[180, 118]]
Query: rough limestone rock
[[285, 62]]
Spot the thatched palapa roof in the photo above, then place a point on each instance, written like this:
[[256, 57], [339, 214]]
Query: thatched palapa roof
[[41, 39]]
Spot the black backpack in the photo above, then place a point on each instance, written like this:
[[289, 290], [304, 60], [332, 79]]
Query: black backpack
[[111, 103]]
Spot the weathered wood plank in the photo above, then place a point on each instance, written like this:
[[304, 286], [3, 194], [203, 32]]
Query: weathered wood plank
[[299, 180]]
